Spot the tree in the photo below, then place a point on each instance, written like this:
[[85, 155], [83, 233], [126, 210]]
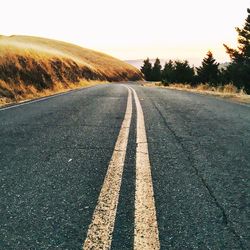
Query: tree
[[209, 71], [146, 69], [183, 73], [168, 72], [156, 70], [239, 69]]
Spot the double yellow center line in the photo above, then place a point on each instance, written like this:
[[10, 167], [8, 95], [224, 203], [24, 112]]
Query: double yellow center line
[[100, 230]]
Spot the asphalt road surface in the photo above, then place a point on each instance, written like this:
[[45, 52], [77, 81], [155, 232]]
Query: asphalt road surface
[[123, 166]]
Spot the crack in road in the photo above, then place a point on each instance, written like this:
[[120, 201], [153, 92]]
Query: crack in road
[[225, 217]]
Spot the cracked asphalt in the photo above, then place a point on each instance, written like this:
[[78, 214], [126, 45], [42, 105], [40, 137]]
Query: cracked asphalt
[[54, 156]]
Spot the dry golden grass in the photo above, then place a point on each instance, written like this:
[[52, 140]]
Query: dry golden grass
[[42, 48], [226, 91], [32, 67], [30, 92]]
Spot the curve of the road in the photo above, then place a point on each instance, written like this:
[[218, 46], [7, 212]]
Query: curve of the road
[[182, 163]]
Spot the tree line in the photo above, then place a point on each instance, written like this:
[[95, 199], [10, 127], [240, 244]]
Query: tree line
[[237, 72]]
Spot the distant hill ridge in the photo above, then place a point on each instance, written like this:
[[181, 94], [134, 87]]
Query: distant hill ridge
[[139, 62], [42, 63]]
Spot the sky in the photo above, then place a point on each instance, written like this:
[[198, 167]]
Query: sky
[[131, 29]]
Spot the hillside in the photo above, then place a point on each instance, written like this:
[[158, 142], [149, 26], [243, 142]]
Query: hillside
[[29, 65]]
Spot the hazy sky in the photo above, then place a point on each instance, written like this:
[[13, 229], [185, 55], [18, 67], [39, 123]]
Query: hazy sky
[[131, 29]]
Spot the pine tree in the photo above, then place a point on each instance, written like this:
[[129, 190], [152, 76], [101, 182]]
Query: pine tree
[[239, 69], [146, 69], [183, 73], [156, 70], [209, 71], [168, 72]]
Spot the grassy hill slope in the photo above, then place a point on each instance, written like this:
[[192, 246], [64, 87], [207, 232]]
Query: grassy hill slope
[[30, 65]]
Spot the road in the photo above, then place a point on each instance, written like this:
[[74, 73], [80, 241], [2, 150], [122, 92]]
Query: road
[[123, 166]]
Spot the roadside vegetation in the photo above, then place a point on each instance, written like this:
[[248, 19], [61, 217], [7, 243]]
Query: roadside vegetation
[[32, 67], [234, 79], [228, 91]]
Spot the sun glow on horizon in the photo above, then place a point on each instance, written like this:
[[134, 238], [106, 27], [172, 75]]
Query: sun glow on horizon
[[131, 29]]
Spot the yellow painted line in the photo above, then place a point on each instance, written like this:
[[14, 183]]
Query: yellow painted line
[[146, 235], [99, 235]]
